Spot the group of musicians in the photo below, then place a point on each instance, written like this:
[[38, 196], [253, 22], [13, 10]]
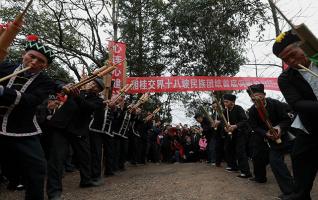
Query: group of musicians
[[95, 128], [245, 134], [42, 118], [276, 128]]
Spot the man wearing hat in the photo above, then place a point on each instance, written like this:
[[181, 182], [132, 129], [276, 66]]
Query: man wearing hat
[[236, 137], [101, 138], [19, 130], [69, 125], [300, 90], [272, 152]]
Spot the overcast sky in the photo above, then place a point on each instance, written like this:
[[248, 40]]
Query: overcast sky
[[299, 11]]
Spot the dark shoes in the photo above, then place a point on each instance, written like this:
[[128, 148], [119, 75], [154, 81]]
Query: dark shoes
[[256, 180], [93, 183], [229, 169], [121, 169], [56, 198], [15, 187], [286, 197], [133, 163], [71, 169], [108, 174], [244, 175], [98, 182]]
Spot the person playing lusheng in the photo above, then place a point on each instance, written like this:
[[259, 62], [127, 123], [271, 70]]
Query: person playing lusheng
[[70, 126], [300, 89], [235, 144], [19, 131], [277, 114]]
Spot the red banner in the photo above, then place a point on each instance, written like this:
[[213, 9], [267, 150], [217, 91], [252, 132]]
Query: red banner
[[196, 83], [118, 52]]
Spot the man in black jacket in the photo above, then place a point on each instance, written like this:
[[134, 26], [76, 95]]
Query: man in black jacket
[[121, 117], [134, 136], [19, 98], [278, 147], [69, 125], [236, 136], [218, 136], [300, 90], [102, 138]]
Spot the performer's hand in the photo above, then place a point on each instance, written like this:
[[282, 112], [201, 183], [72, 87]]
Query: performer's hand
[[216, 123], [269, 135], [278, 132], [109, 103], [274, 136], [71, 90], [232, 128], [227, 129], [106, 101], [138, 110]]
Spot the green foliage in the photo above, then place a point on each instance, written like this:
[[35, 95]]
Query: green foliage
[[143, 28], [207, 38], [208, 35]]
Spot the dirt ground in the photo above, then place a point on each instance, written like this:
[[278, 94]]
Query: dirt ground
[[190, 181]]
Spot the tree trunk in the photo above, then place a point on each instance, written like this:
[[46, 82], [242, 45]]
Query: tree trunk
[[276, 23], [275, 18], [140, 36]]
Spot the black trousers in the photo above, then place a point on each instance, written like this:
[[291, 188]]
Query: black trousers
[[260, 156], [134, 145], [263, 155], [101, 143], [142, 149], [108, 155], [120, 152], [28, 154], [305, 165], [235, 151], [152, 151], [219, 149], [59, 143], [116, 152], [123, 153], [280, 170]]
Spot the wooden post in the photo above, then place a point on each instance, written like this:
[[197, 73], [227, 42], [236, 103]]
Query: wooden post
[[124, 82], [108, 77], [108, 85]]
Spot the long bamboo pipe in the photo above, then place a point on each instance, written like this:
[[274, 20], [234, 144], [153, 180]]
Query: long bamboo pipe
[[142, 100], [308, 70], [124, 90], [14, 74], [152, 114], [8, 35], [89, 79]]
